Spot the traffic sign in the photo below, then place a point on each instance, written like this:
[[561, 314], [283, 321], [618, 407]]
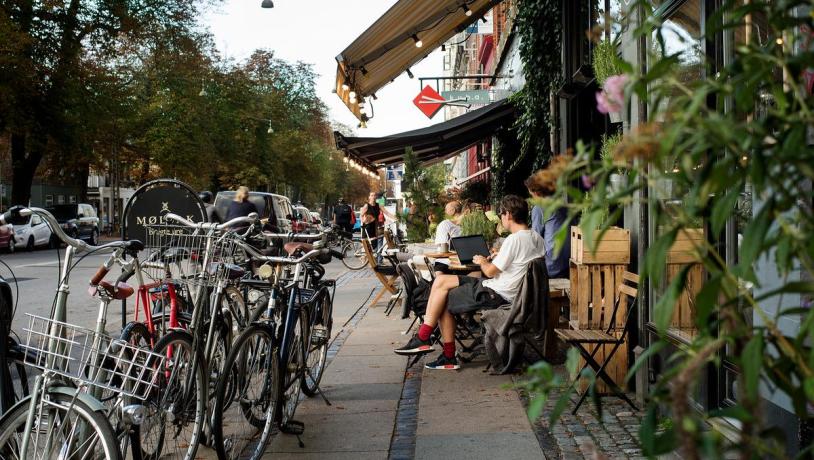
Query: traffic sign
[[429, 101]]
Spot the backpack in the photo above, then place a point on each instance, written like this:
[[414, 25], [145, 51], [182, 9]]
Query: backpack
[[343, 213], [421, 296]]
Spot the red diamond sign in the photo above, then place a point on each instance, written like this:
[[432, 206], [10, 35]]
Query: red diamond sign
[[429, 101]]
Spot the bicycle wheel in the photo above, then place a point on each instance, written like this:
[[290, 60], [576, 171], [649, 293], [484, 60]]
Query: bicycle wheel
[[317, 344], [148, 440], [293, 370], [233, 302], [353, 255], [247, 402], [176, 409], [63, 427]]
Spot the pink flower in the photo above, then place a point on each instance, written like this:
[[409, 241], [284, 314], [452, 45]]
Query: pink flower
[[612, 97]]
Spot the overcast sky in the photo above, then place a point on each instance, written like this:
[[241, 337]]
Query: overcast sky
[[315, 31]]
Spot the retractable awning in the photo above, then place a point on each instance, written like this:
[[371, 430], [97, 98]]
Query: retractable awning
[[431, 144], [388, 47]]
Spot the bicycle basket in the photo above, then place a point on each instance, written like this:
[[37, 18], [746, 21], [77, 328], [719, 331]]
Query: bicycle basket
[[183, 252], [89, 358]]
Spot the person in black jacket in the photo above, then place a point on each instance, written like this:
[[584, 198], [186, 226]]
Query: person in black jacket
[[241, 206], [343, 216], [211, 215]]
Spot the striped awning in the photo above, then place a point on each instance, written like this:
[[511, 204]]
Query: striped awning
[[388, 47]]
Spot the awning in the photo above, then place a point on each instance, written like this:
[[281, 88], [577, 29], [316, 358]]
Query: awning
[[431, 144], [388, 47]]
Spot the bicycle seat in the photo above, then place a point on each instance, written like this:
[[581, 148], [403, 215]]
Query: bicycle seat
[[122, 291], [133, 246], [292, 248], [174, 255]]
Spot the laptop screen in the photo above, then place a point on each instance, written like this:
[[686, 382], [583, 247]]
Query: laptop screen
[[468, 247]]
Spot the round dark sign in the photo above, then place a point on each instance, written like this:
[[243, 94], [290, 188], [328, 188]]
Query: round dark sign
[[153, 200]]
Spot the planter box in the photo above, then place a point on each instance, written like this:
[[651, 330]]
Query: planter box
[[613, 249], [683, 249]]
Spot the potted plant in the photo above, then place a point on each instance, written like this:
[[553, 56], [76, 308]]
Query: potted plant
[[618, 180], [606, 66], [476, 223]]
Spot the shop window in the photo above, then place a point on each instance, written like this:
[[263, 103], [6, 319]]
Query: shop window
[[72, 199], [60, 199], [49, 200], [681, 33]]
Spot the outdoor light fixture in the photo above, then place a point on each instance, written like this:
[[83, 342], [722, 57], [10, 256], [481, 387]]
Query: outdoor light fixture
[[344, 159], [410, 74], [467, 11], [443, 47], [267, 4], [270, 130], [353, 100], [352, 95], [364, 71], [345, 87], [418, 42], [483, 18], [373, 95], [362, 104], [203, 92]]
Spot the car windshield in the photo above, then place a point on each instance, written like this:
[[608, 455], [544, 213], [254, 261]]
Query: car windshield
[[19, 220], [64, 212]]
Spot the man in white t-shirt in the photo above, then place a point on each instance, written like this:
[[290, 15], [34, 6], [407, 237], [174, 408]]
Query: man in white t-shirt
[[452, 294], [448, 228]]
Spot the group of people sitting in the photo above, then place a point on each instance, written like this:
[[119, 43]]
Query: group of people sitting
[[503, 271]]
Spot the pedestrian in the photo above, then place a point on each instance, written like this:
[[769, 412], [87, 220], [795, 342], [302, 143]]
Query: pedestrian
[[240, 206], [343, 216], [541, 185], [211, 214], [372, 213]]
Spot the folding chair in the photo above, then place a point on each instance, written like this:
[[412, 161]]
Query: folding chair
[[385, 273], [598, 338]]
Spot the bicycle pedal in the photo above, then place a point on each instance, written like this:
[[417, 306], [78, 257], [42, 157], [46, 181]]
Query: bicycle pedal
[[293, 427], [319, 334]]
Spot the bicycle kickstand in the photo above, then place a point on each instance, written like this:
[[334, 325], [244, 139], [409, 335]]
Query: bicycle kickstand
[[319, 390]]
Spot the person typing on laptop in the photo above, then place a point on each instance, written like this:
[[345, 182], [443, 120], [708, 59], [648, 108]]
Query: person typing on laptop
[[451, 294]]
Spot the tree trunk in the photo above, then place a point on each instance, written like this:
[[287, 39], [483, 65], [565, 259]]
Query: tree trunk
[[23, 167]]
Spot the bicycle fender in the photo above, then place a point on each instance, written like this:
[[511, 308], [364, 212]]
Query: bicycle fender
[[89, 400], [268, 326]]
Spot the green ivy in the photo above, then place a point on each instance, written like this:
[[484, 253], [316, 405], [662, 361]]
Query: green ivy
[[539, 31]]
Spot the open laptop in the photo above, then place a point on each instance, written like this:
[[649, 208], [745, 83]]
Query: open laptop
[[468, 247]]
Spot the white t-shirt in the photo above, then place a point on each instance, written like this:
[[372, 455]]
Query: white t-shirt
[[512, 260], [446, 231]]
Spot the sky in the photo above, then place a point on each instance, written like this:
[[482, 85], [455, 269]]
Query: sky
[[315, 32]]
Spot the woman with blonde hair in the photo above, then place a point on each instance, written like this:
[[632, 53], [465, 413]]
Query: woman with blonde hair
[[241, 206], [541, 184]]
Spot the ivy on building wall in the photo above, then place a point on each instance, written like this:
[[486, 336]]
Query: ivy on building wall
[[539, 31]]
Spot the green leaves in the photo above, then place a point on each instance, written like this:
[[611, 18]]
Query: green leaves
[[663, 310], [751, 364]]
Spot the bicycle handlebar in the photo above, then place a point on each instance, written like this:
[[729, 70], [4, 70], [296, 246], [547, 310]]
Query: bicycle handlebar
[[250, 219]]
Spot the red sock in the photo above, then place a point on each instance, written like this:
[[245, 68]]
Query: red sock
[[449, 349], [425, 331]]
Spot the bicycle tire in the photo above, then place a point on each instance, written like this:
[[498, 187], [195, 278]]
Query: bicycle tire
[[253, 360], [353, 255], [103, 444], [289, 395], [317, 353], [137, 334], [188, 412]]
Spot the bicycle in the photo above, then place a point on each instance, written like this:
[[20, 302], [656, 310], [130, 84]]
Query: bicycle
[[282, 353], [67, 414], [13, 375]]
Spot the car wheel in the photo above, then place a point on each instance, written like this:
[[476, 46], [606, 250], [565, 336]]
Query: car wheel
[[30, 245], [94, 238], [11, 245]]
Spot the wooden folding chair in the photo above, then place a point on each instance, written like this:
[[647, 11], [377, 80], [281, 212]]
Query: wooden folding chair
[[386, 274], [617, 324]]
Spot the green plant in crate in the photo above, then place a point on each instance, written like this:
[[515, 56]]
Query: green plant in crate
[[476, 223], [741, 131]]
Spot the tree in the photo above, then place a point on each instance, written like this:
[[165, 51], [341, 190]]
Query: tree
[[55, 52], [422, 185]]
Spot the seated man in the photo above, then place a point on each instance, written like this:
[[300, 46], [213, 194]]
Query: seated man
[[453, 294]]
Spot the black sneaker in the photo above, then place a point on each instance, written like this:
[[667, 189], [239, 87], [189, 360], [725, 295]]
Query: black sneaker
[[415, 346], [449, 364]]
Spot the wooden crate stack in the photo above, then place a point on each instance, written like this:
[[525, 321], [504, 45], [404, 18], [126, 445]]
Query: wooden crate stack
[[595, 279], [681, 254]]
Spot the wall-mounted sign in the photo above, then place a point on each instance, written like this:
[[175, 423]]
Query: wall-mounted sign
[[478, 96], [428, 101]]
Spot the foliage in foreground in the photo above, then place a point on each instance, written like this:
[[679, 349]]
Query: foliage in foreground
[[732, 150]]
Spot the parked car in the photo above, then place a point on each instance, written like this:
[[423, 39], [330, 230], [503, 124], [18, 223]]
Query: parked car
[[31, 231], [78, 221], [7, 237], [276, 208], [304, 220], [357, 227], [316, 219]]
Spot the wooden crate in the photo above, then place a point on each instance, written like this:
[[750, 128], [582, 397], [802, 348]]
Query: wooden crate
[[593, 290], [683, 249], [684, 312], [614, 248]]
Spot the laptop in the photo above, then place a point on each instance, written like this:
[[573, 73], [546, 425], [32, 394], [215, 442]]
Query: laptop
[[468, 247]]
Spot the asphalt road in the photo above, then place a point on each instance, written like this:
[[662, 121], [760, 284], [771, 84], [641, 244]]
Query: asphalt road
[[37, 274]]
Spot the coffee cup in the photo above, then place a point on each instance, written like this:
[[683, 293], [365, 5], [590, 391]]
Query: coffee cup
[[443, 247]]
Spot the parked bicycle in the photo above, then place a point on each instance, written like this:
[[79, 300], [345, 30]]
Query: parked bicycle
[[275, 358], [89, 395]]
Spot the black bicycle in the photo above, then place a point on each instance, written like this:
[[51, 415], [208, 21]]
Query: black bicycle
[[281, 354]]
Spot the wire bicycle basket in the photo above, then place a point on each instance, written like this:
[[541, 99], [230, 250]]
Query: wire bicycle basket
[[89, 358]]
